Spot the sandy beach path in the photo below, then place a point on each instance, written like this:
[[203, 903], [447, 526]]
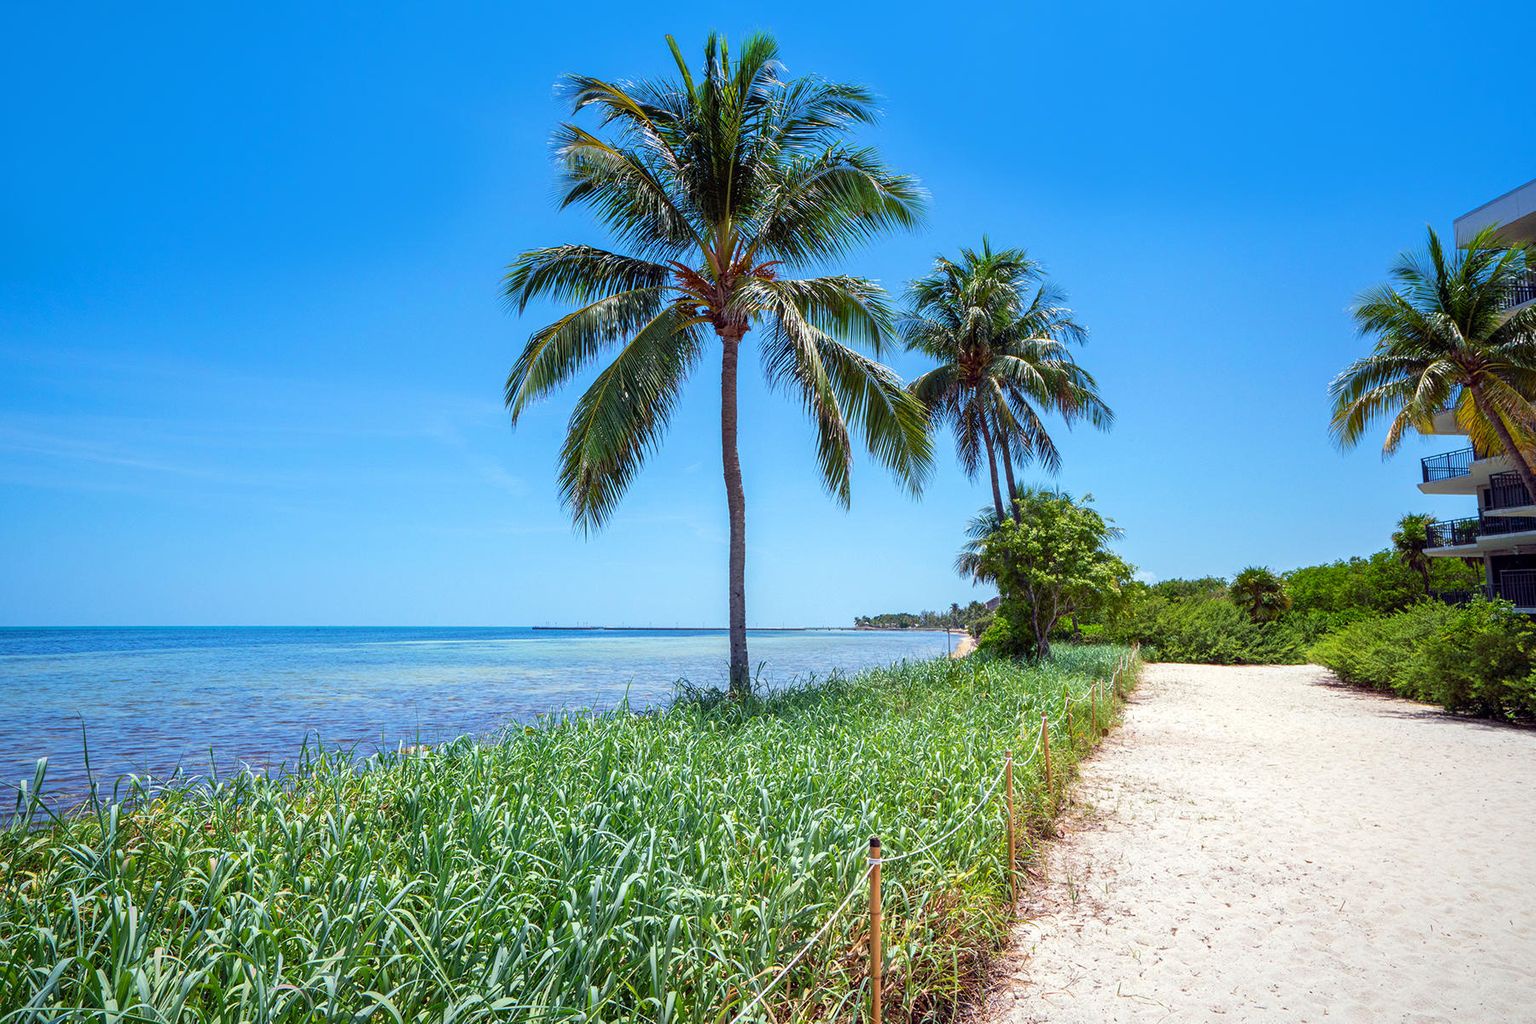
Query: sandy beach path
[[1261, 844]]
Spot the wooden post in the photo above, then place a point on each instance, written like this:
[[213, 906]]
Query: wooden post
[[874, 929], [1045, 746], [1012, 856]]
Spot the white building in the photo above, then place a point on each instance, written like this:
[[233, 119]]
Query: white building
[[1502, 535]]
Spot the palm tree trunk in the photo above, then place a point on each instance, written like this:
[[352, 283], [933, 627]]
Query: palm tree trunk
[[997, 494], [1013, 488], [1522, 466], [736, 501]]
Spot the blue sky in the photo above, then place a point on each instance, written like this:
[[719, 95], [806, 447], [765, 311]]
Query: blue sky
[[251, 347]]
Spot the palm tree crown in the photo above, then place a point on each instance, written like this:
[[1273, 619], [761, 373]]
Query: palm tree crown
[[1410, 540], [718, 184], [1002, 339], [1445, 340], [1259, 593]]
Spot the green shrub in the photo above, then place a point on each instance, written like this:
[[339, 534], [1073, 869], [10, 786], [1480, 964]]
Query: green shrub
[[1378, 650], [1001, 639], [1211, 630], [1476, 658], [1380, 583], [1479, 661]]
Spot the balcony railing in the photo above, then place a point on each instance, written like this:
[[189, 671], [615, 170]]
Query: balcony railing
[[1518, 586], [1451, 533], [1522, 291], [1507, 490], [1496, 525], [1448, 466]]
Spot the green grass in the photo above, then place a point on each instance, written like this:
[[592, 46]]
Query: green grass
[[617, 867]]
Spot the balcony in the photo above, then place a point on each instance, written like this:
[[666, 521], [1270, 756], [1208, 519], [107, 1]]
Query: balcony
[[1448, 466], [1521, 292], [1494, 526], [1506, 490], [1453, 533], [1517, 586], [1457, 533]]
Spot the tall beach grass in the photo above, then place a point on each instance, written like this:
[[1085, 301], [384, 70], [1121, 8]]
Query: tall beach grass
[[617, 867]]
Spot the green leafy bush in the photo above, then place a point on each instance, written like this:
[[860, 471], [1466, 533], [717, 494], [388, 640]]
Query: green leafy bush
[[1378, 650], [1211, 630], [1380, 583], [1001, 639], [1050, 561], [1476, 658], [1249, 623], [1480, 661]]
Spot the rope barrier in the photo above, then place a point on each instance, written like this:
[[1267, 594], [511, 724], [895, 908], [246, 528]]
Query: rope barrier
[[817, 937], [1027, 758], [875, 862]]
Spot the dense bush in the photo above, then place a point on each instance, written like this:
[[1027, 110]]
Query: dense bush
[[1380, 583], [1202, 620], [999, 637], [1377, 650], [1478, 658], [1212, 630]]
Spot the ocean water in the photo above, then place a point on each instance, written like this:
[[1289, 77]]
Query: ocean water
[[152, 701]]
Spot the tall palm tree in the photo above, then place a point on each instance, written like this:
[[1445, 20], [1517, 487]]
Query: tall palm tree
[[1444, 340], [718, 183], [1002, 340], [1409, 541]]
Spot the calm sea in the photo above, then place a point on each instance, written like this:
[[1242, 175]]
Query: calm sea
[[151, 700]]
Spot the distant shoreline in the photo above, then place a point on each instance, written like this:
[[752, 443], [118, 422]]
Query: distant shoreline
[[750, 629]]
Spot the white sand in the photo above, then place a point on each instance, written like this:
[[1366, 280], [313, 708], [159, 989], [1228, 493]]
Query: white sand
[[964, 645], [1261, 844]]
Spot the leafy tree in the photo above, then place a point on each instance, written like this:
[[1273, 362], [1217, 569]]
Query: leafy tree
[[1259, 593], [719, 183], [1381, 582], [1002, 340], [1445, 340], [1409, 540], [1049, 562], [1204, 586]]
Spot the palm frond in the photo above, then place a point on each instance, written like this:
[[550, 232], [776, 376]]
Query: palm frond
[[1441, 336], [577, 273], [621, 417], [556, 353], [839, 385]]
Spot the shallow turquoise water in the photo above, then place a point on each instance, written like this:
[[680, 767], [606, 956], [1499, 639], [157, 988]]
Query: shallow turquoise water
[[151, 701]]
